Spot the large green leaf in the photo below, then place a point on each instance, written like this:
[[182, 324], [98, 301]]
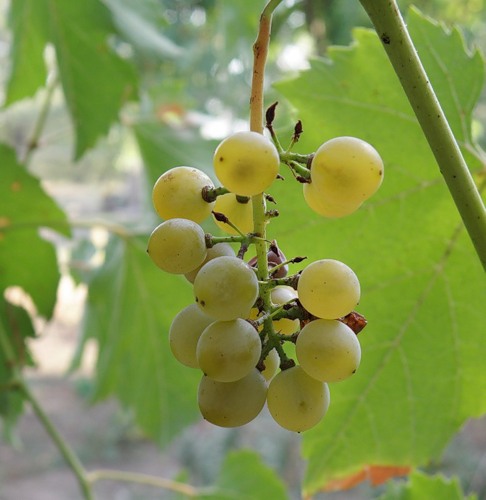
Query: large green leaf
[[423, 290], [28, 22], [130, 306], [26, 259], [420, 486], [96, 80]]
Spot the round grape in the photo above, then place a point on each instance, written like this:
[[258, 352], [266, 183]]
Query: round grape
[[217, 250], [239, 213], [328, 350], [296, 401], [246, 163], [231, 404], [226, 288], [328, 289], [177, 246], [185, 330], [228, 350], [271, 362], [316, 201], [177, 193], [281, 295]]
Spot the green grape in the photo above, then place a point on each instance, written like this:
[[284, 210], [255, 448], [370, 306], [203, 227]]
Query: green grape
[[246, 163], [228, 350], [316, 201], [328, 289], [240, 214], [177, 193], [226, 288], [281, 295], [177, 246], [185, 330], [217, 250], [296, 401], [231, 404], [328, 350], [272, 362], [346, 171]]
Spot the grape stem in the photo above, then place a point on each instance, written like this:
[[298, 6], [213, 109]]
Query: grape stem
[[391, 28]]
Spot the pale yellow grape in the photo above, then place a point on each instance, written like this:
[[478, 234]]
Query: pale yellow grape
[[228, 350], [217, 250], [281, 295], [246, 163], [177, 246], [296, 401], [240, 214], [178, 193], [316, 201], [328, 350], [272, 362], [184, 333], [231, 404], [226, 288], [347, 170], [328, 289]]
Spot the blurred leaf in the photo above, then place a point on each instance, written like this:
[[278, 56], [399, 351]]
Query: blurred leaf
[[96, 81], [26, 259], [244, 476], [375, 474], [420, 486], [129, 309], [140, 31], [28, 22], [423, 289], [16, 326]]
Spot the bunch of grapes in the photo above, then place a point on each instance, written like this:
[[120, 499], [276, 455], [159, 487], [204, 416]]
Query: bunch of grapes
[[246, 312]]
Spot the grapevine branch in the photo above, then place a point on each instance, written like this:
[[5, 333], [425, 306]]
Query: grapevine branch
[[391, 28]]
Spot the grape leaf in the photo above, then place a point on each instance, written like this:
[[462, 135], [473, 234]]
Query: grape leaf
[[26, 259], [96, 80], [244, 476], [129, 309], [15, 325], [420, 486], [28, 22], [423, 290]]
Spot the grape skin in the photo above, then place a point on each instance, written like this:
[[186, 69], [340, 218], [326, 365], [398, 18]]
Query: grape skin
[[231, 404], [217, 250], [346, 171], [328, 350], [296, 401], [228, 350], [185, 330], [328, 289], [226, 288], [271, 362], [281, 295], [177, 193], [239, 214], [246, 163], [177, 246], [317, 202]]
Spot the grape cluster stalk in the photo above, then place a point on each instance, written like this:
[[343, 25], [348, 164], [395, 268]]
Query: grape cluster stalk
[[259, 334]]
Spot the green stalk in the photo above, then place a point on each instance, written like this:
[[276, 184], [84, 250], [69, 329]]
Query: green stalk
[[391, 29]]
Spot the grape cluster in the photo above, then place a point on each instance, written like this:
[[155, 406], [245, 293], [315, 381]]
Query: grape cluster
[[243, 319]]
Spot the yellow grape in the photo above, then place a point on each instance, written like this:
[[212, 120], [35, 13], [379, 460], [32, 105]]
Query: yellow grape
[[296, 401], [231, 404], [226, 288], [228, 350], [240, 214], [177, 246], [272, 362], [177, 193], [346, 170], [328, 350], [217, 250], [185, 330], [328, 289], [316, 201], [281, 295], [246, 163]]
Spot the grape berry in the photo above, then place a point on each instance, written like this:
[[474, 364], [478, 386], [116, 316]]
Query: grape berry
[[243, 317]]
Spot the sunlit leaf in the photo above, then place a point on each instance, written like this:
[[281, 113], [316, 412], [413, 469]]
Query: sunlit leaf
[[423, 290]]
